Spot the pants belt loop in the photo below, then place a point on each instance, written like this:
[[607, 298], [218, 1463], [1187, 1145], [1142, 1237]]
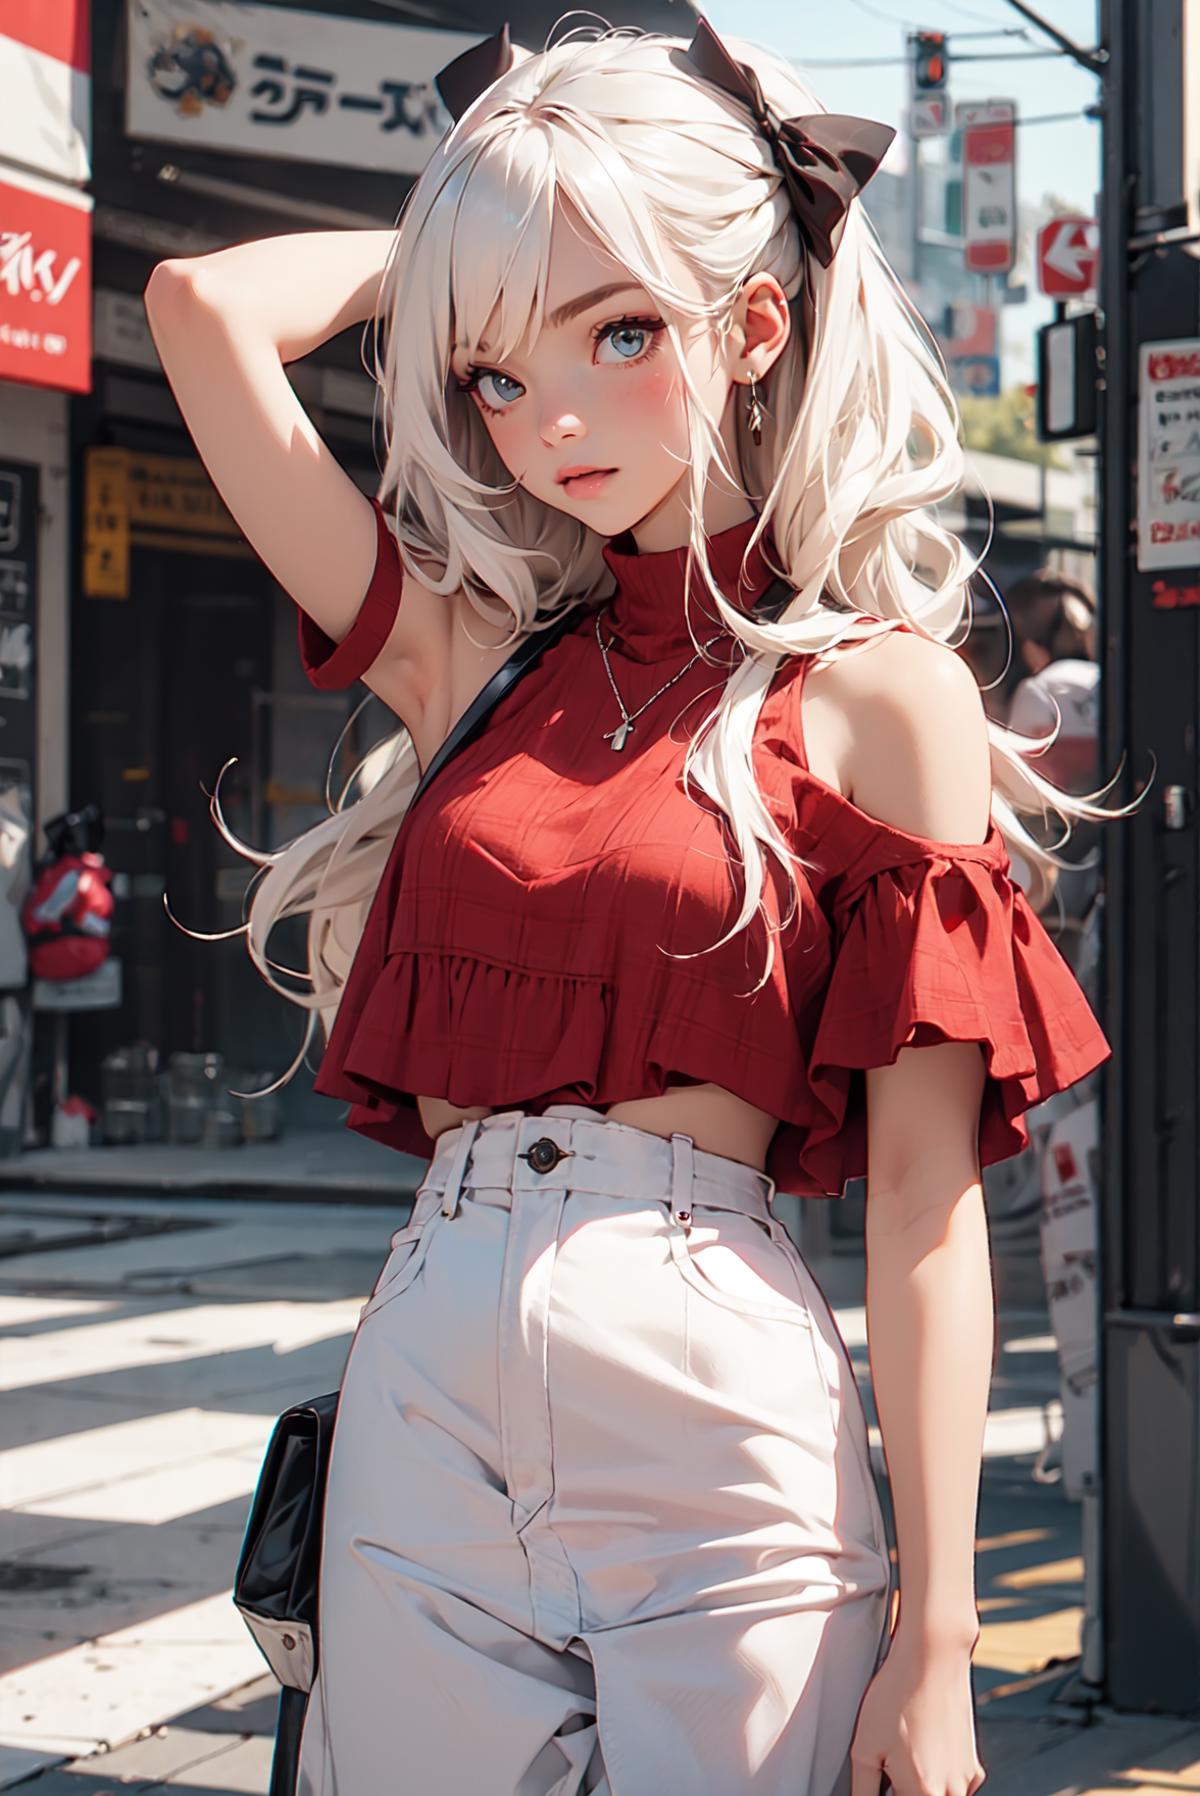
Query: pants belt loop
[[458, 1166], [682, 1172]]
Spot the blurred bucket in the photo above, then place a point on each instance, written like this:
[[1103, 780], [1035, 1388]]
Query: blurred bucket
[[130, 1096]]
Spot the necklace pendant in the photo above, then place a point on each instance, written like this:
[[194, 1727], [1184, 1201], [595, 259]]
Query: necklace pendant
[[620, 734]]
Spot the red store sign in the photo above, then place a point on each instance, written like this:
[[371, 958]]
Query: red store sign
[[45, 283]]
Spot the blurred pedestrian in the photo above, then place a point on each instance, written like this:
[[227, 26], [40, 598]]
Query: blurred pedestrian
[[1054, 628]]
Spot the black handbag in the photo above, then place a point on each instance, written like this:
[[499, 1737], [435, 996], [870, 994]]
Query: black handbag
[[275, 1586]]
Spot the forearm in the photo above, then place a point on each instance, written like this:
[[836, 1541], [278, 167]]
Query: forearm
[[224, 326], [930, 1329], [293, 292]]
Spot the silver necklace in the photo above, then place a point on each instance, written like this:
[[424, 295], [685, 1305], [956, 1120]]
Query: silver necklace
[[619, 736]]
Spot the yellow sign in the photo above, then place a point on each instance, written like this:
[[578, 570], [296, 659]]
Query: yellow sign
[[153, 501], [106, 524], [168, 492]]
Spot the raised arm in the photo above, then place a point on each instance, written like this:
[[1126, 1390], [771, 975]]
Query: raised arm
[[225, 326]]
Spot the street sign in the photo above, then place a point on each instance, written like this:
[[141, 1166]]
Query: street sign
[[1068, 254], [968, 329], [1168, 533], [1066, 384], [989, 184], [929, 115], [975, 376]]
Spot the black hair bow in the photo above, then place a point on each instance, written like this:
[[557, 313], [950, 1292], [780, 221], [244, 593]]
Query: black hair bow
[[826, 158], [462, 81]]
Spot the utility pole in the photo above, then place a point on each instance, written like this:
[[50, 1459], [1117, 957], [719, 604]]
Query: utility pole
[[1150, 611], [914, 185]]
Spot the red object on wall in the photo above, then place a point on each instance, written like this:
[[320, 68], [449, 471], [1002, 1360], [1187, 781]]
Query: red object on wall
[[45, 284], [67, 917]]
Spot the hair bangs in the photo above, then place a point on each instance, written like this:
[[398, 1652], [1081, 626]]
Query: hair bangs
[[498, 253]]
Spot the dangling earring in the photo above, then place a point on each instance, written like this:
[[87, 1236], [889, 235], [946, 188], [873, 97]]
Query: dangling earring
[[754, 413]]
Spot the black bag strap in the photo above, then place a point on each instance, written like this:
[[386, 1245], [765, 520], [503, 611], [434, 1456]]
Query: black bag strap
[[777, 597], [529, 650]]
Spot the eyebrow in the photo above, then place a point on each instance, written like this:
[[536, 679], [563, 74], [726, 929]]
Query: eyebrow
[[583, 302]]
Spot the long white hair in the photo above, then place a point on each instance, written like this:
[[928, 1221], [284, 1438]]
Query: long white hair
[[861, 439]]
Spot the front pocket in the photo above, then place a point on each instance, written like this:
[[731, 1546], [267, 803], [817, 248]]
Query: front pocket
[[740, 1264], [408, 1249]]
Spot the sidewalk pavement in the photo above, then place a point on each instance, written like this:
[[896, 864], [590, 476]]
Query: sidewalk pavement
[[147, 1344], [302, 1166]]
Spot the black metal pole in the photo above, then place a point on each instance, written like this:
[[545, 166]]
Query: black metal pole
[[1149, 1250]]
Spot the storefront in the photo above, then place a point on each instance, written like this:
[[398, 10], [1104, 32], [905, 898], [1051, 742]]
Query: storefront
[[183, 650], [45, 355]]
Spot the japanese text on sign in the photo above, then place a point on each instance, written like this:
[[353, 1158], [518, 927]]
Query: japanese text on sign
[[284, 83], [1169, 455], [45, 283]]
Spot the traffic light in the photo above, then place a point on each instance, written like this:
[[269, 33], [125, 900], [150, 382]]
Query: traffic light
[[929, 61]]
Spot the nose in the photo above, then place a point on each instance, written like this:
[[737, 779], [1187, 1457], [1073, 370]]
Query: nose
[[561, 425]]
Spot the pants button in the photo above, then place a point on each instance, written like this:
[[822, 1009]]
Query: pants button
[[545, 1155]]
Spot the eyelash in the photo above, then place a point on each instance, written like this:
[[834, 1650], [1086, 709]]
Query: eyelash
[[653, 327]]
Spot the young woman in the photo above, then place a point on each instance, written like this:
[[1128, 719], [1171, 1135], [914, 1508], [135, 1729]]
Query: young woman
[[716, 900]]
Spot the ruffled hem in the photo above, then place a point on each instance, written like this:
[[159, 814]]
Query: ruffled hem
[[482, 1035], [941, 950], [932, 951]]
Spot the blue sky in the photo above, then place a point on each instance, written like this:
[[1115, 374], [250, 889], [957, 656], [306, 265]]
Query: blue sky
[[1058, 159]]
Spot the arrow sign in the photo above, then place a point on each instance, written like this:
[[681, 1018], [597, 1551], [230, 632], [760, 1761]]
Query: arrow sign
[[1068, 251]]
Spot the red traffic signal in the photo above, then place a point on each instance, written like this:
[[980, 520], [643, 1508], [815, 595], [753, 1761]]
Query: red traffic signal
[[930, 62]]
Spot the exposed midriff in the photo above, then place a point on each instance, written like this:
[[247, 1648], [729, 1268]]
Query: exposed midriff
[[718, 1121]]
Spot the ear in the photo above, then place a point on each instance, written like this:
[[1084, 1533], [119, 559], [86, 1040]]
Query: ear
[[761, 326]]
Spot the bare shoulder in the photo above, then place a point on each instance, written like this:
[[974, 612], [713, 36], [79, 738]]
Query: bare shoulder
[[916, 752]]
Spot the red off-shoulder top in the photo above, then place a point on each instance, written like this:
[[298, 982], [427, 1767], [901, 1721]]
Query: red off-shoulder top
[[516, 951]]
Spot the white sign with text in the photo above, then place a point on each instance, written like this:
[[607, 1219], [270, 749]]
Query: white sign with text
[[223, 76], [1169, 455]]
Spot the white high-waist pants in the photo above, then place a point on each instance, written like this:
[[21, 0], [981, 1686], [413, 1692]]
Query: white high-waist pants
[[600, 1513]]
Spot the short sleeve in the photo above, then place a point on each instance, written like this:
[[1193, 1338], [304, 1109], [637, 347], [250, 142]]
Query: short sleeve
[[937, 949], [332, 666]]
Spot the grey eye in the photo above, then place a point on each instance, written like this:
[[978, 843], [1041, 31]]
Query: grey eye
[[501, 395], [628, 341]]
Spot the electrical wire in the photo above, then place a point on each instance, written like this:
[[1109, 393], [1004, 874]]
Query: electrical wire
[[909, 24], [1012, 56], [874, 12], [903, 62], [967, 12], [1057, 118]]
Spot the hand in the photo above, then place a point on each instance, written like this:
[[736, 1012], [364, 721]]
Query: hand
[[916, 1726]]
